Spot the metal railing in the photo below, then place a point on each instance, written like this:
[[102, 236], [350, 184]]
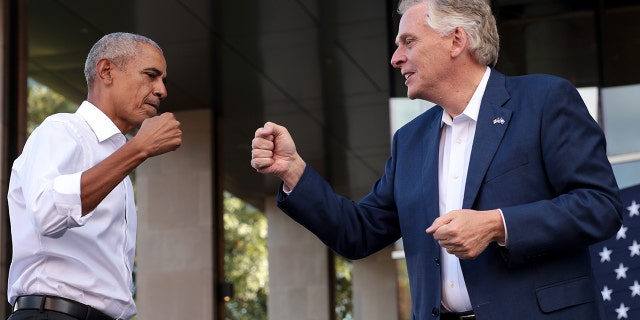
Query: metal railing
[[624, 158]]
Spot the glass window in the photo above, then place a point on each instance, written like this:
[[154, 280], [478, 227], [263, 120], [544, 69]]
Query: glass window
[[628, 173], [621, 117], [245, 259]]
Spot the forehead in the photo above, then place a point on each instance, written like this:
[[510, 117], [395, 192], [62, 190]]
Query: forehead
[[149, 57], [412, 20]]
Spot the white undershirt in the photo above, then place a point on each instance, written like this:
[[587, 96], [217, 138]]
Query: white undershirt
[[455, 151]]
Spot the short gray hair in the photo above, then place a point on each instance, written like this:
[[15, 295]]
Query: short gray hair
[[118, 47], [473, 16]]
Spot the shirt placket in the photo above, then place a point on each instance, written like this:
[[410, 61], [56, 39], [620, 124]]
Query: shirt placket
[[455, 290]]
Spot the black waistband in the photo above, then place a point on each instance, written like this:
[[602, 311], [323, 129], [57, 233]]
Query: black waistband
[[69, 307], [458, 316]]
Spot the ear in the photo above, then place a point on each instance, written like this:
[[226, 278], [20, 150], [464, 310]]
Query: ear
[[459, 43], [104, 69]]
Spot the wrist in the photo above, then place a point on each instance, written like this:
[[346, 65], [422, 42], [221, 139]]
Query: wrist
[[292, 176]]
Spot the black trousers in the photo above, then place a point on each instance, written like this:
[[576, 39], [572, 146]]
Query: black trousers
[[39, 315]]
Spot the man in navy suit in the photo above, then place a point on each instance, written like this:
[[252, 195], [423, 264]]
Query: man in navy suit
[[497, 193]]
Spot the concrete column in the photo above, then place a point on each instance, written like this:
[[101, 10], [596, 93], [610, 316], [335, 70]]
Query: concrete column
[[175, 237], [298, 270], [542, 36], [5, 253], [13, 104], [564, 46], [375, 291]]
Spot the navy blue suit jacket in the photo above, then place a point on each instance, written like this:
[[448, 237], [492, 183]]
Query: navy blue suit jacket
[[545, 166]]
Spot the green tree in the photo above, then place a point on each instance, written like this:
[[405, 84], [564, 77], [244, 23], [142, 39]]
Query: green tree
[[245, 260], [42, 102], [344, 299]]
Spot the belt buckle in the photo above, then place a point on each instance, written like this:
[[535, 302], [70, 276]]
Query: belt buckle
[[467, 317]]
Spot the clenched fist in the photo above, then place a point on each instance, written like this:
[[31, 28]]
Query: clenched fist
[[160, 134], [274, 152]]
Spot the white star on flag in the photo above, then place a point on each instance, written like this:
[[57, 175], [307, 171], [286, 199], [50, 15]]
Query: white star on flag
[[622, 233], [622, 311], [621, 271], [606, 293], [635, 249], [635, 289], [634, 209], [605, 254]]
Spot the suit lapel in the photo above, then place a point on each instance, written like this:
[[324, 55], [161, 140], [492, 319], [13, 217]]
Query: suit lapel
[[493, 121]]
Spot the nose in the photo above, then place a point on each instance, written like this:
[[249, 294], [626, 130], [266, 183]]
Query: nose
[[398, 58], [160, 90]]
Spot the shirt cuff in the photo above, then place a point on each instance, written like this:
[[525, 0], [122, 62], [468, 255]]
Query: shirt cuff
[[506, 235], [286, 190], [66, 197]]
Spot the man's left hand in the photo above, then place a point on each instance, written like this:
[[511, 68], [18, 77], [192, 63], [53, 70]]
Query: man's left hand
[[466, 233]]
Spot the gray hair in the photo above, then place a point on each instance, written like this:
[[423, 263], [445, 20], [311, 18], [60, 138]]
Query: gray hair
[[473, 16], [118, 47]]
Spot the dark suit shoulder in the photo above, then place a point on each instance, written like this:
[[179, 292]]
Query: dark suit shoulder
[[537, 91], [537, 81]]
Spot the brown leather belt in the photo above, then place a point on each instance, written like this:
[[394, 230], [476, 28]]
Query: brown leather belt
[[69, 307]]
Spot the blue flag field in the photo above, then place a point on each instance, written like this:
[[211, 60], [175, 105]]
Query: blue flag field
[[616, 262]]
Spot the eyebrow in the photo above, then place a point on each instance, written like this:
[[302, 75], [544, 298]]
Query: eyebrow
[[156, 71], [402, 37], [152, 69]]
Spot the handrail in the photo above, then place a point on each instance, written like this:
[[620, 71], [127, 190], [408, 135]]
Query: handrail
[[624, 158]]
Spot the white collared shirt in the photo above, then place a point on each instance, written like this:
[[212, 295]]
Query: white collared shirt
[[56, 250], [455, 151]]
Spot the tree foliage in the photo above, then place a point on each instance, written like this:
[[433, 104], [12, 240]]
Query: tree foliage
[[43, 102], [343, 293], [245, 260]]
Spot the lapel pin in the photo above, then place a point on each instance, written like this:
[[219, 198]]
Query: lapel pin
[[498, 120]]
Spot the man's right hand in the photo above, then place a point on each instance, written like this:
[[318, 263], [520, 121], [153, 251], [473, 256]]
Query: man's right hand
[[274, 152], [160, 134], [157, 135]]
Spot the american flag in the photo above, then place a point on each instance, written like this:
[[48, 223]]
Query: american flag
[[616, 262]]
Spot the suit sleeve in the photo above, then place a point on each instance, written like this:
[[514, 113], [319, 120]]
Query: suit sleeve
[[353, 230]]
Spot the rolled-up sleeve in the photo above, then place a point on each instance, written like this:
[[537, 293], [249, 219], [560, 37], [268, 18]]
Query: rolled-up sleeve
[[66, 198], [50, 173]]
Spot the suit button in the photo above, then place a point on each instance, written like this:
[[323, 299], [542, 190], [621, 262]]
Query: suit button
[[435, 312], [437, 261]]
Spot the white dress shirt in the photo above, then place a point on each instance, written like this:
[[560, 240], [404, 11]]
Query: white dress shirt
[[455, 151], [56, 250]]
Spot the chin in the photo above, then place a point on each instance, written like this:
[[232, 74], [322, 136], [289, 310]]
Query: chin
[[149, 114], [413, 94]]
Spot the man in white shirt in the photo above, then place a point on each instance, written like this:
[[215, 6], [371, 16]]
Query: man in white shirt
[[71, 202]]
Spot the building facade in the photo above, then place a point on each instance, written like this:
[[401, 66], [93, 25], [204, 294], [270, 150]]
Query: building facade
[[319, 67]]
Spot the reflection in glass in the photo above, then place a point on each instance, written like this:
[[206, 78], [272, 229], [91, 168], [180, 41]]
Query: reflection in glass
[[627, 174], [621, 117]]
